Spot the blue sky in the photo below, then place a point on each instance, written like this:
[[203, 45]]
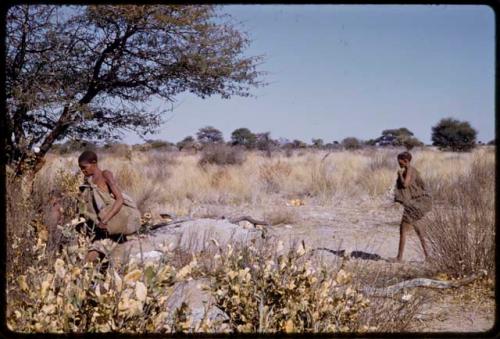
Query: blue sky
[[354, 70]]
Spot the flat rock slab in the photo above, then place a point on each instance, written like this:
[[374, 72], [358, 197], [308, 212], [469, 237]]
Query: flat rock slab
[[194, 236]]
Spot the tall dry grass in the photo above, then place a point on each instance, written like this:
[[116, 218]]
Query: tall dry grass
[[176, 181], [461, 227]]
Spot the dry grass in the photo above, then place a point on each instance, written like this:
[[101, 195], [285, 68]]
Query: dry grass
[[174, 181], [21, 235], [462, 230]]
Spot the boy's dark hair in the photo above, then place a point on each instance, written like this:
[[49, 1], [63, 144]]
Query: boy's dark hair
[[404, 156], [87, 156]]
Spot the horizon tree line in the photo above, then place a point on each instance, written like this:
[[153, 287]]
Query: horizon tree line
[[448, 134]]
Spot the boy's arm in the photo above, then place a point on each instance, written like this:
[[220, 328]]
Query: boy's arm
[[113, 186], [405, 180]]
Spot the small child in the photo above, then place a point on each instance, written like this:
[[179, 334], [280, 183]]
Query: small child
[[416, 200], [111, 213]]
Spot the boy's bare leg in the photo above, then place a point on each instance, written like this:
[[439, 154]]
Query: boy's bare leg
[[420, 232], [404, 228]]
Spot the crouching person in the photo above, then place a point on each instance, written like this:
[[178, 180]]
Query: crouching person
[[110, 214]]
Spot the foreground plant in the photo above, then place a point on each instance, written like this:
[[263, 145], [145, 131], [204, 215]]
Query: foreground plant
[[69, 296], [262, 291]]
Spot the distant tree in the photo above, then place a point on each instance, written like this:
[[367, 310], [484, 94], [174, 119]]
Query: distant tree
[[296, 143], [264, 142], [209, 135], [371, 142], [283, 142], [243, 137], [74, 145], [398, 132], [452, 134], [159, 144], [396, 137], [351, 143], [334, 145], [186, 143], [411, 142], [492, 142], [317, 143]]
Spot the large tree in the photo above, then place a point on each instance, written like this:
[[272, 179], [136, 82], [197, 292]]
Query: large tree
[[90, 71], [452, 134]]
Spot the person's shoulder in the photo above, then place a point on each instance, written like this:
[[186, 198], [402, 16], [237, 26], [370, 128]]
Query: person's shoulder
[[107, 174], [414, 170]]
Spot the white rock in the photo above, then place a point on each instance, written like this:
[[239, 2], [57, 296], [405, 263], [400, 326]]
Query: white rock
[[197, 299]]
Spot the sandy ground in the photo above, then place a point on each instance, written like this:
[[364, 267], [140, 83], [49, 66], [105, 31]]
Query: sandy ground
[[371, 228]]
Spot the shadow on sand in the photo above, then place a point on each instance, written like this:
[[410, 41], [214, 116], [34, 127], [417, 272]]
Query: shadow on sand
[[353, 254]]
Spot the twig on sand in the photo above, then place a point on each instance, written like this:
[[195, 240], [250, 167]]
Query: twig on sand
[[169, 223], [251, 220], [234, 220], [421, 282]]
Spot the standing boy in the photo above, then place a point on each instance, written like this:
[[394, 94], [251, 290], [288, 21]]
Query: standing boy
[[416, 200]]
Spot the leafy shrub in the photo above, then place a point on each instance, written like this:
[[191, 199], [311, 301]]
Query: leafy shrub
[[454, 135], [221, 154], [351, 143], [264, 292], [187, 143], [67, 296], [318, 143], [410, 142]]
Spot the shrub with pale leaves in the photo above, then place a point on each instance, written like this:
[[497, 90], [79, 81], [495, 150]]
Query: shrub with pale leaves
[[265, 292]]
